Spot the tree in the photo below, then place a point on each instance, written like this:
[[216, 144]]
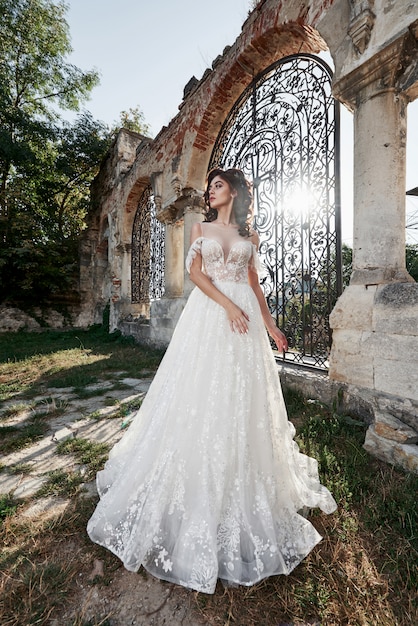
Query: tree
[[347, 262], [45, 164], [41, 255], [35, 82], [133, 119], [411, 254]]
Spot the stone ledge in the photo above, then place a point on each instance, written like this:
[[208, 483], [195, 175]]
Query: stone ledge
[[393, 420]]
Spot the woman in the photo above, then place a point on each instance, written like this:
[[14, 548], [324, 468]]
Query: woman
[[207, 482]]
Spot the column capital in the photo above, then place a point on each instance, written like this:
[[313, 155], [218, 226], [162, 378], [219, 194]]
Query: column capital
[[186, 200], [394, 68]]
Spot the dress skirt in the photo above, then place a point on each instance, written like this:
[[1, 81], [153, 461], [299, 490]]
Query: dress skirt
[[208, 482]]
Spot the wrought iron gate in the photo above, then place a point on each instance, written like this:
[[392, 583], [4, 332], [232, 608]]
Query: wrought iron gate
[[283, 132], [148, 252]]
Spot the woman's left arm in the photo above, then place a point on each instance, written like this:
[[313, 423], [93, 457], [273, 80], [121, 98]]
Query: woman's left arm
[[274, 332]]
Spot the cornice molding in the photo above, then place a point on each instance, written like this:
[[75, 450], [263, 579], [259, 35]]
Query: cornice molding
[[381, 73]]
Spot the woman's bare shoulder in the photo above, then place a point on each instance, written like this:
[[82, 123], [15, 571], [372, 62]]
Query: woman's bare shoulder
[[196, 231]]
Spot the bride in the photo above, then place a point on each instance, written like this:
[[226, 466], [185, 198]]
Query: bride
[[207, 482]]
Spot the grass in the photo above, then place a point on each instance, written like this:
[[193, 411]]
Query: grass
[[7, 507], [91, 454], [14, 410], [18, 436], [14, 438], [41, 561], [30, 363], [61, 483], [363, 573], [121, 410], [18, 468]]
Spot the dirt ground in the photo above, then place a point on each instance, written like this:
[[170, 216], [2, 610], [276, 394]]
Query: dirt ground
[[130, 598]]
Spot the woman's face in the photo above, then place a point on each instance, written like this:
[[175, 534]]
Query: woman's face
[[220, 193]]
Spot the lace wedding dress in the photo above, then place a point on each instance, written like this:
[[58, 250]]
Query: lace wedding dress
[[207, 482]]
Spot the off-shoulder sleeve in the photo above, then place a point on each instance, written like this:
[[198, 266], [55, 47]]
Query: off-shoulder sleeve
[[256, 264], [194, 250]]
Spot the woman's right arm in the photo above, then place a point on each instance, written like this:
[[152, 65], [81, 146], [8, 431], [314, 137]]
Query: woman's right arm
[[237, 318]]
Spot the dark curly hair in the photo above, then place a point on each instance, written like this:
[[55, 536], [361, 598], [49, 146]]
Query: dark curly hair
[[243, 201]]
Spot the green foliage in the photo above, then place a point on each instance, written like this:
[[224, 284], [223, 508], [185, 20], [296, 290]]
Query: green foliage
[[411, 254], [46, 165], [347, 262], [61, 483], [133, 119], [7, 507], [14, 438], [73, 358], [371, 496]]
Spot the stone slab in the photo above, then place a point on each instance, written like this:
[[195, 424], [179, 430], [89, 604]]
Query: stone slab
[[396, 308], [402, 408], [403, 455], [354, 309], [9, 482], [393, 347], [50, 506], [351, 368], [396, 377], [105, 431], [392, 428]]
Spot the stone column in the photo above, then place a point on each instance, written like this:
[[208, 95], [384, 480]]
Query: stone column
[[368, 349], [375, 321], [178, 215], [379, 187], [192, 214], [174, 260]]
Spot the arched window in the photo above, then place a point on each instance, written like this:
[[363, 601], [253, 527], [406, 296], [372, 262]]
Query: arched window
[[148, 252]]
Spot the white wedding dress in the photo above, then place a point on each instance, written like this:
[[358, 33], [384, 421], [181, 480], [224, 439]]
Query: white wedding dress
[[207, 482]]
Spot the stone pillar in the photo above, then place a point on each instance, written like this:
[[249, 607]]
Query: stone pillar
[[178, 215], [192, 214], [174, 261], [374, 355], [379, 187], [365, 351]]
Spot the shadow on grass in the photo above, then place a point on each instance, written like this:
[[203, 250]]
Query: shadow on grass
[[75, 358]]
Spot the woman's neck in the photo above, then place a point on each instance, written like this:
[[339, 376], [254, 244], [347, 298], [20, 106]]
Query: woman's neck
[[225, 217]]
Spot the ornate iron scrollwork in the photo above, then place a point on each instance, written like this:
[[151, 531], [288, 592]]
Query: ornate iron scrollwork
[[283, 132], [148, 252]]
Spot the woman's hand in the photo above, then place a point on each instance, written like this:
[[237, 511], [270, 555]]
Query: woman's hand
[[237, 319], [278, 337]]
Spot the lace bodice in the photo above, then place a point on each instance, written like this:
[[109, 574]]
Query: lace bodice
[[231, 267]]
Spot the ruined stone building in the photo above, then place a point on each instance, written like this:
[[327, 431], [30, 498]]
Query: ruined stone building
[[245, 111]]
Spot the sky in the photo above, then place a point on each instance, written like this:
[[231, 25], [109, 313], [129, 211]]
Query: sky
[[146, 52]]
